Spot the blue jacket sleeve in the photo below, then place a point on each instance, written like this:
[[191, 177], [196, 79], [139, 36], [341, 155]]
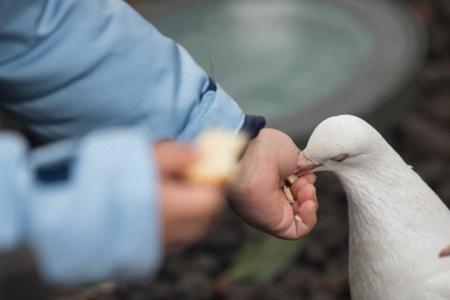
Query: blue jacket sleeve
[[84, 219], [68, 67]]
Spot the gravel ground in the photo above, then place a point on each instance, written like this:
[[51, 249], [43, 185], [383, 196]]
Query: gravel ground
[[422, 137]]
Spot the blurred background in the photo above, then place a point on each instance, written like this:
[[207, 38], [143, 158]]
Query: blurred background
[[297, 62]]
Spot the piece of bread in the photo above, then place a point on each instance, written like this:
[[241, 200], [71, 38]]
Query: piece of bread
[[219, 150]]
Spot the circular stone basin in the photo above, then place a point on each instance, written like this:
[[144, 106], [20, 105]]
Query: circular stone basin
[[297, 62]]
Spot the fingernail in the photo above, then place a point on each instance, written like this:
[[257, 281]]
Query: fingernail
[[297, 217]]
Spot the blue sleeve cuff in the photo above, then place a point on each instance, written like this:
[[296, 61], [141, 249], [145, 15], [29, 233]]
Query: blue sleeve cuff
[[215, 110], [94, 214], [218, 110], [253, 125]]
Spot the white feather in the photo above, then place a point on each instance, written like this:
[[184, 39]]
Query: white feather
[[398, 225]]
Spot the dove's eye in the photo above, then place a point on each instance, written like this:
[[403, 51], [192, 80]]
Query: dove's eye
[[340, 157]]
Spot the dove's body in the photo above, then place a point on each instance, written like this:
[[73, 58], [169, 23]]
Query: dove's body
[[398, 225]]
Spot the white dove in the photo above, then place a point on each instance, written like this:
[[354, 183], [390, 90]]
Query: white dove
[[398, 225]]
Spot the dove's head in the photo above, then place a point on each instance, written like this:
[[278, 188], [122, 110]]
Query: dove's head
[[339, 143]]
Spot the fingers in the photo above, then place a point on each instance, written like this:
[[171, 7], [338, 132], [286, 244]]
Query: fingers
[[307, 213], [303, 189], [311, 178], [301, 217], [200, 201], [302, 181], [307, 192], [304, 209], [173, 157], [306, 198], [188, 212], [303, 220]]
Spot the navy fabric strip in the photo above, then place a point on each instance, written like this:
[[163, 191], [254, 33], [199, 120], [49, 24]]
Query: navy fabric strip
[[212, 86], [55, 172], [253, 125]]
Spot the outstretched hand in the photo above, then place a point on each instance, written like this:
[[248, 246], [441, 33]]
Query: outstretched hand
[[187, 210], [255, 191]]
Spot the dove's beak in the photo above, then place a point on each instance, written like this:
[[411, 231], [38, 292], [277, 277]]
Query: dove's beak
[[445, 252], [305, 166]]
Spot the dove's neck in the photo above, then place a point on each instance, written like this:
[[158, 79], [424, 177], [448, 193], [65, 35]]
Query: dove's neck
[[387, 198], [396, 221]]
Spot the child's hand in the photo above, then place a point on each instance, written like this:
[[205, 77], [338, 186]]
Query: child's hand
[[187, 210], [255, 194]]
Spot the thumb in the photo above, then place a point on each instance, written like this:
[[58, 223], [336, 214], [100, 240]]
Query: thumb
[[288, 163], [288, 159], [281, 149]]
